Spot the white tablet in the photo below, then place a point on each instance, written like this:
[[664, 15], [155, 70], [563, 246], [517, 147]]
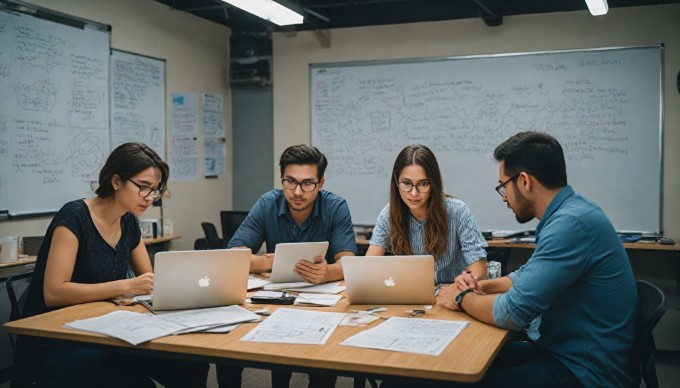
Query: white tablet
[[286, 255]]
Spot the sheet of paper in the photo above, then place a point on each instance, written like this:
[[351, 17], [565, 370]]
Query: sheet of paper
[[412, 335], [137, 328], [307, 299], [325, 288], [131, 327], [295, 327], [255, 282], [287, 286]]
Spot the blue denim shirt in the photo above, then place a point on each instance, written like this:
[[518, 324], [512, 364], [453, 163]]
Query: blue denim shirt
[[580, 282], [270, 221]]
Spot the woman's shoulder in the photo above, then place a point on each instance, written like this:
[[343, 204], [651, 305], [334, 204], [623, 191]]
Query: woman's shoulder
[[453, 202]]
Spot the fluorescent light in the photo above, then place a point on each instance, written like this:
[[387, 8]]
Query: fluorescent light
[[597, 7], [268, 10]]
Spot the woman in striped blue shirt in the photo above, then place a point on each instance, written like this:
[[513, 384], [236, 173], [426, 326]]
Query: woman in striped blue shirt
[[421, 219]]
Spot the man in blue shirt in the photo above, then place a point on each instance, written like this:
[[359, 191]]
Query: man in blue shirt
[[578, 281], [301, 212]]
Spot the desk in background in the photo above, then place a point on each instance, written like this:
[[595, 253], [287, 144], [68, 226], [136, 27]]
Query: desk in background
[[466, 359], [158, 244]]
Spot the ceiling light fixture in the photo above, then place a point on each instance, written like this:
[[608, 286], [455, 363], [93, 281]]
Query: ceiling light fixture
[[597, 7], [269, 10]]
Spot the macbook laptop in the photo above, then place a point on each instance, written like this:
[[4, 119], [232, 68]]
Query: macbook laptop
[[389, 279], [196, 279], [286, 255]]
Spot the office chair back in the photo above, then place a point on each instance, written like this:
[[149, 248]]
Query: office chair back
[[231, 220], [16, 299], [211, 237], [652, 308]]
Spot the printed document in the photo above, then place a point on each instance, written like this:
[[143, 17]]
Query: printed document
[[137, 328], [411, 335], [295, 327]]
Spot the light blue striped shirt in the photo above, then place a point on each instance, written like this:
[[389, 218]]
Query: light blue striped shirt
[[465, 242]]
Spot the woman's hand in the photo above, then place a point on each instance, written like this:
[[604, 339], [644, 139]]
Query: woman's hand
[[142, 284]]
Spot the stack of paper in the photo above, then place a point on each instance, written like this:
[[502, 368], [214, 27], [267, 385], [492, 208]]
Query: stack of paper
[[325, 288], [137, 328], [307, 299], [255, 282]]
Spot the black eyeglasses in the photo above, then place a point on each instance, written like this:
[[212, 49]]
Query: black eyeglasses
[[501, 188], [292, 184], [145, 191], [421, 187]]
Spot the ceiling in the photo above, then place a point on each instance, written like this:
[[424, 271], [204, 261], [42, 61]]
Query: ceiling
[[327, 14]]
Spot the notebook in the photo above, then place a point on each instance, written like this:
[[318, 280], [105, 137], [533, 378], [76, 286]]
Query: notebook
[[286, 255], [196, 279], [389, 279]]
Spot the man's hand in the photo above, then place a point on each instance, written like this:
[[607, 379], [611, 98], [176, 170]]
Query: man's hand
[[447, 296], [316, 272]]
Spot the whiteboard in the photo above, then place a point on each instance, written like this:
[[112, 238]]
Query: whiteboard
[[603, 105], [137, 100], [54, 116]]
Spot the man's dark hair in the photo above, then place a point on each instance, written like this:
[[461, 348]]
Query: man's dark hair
[[535, 153], [304, 154]]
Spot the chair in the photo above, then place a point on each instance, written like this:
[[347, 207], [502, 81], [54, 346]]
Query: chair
[[231, 220], [652, 308], [211, 236], [16, 306]]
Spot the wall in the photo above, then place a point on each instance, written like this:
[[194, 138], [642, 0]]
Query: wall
[[567, 30], [197, 55]]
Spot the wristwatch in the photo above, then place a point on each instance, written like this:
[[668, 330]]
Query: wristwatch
[[459, 298]]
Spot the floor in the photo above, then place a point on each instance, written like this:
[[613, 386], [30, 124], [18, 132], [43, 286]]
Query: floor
[[667, 369]]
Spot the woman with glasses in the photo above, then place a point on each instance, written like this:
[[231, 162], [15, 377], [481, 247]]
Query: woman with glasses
[[421, 219], [85, 256]]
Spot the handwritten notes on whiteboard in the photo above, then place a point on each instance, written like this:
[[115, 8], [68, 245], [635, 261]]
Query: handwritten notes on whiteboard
[[214, 148], [604, 106], [54, 115], [137, 100]]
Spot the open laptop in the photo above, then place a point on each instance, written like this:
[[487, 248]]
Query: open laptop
[[389, 279], [286, 255], [196, 279]]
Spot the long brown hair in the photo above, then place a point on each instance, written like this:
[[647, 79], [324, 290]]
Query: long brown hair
[[437, 227]]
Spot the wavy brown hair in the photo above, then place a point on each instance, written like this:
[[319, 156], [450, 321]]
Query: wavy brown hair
[[437, 227]]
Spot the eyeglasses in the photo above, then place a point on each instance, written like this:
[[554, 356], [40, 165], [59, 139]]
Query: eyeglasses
[[145, 191], [292, 184], [501, 188], [421, 187]]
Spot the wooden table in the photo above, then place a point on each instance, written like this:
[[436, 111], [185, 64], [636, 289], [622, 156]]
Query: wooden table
[[466, 359], [507, 243], [21, 261]]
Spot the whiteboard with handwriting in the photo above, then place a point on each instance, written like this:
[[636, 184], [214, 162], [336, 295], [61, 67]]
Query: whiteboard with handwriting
[[54, 114], [603, 105], [137, 100]]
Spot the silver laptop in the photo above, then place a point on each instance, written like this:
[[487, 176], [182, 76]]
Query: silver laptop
[[196, 279], [286, 255], [389, 279]]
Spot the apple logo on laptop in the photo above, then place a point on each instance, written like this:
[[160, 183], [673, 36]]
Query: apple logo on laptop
[[389, 282], [204, 281]]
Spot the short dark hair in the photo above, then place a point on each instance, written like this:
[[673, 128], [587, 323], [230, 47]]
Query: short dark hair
[[304, 154], [536, 153], [128, 160]]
